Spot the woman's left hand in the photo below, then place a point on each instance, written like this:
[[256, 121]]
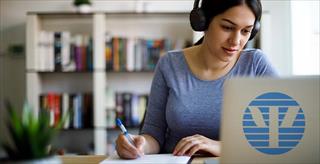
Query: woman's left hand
[[190, 145]]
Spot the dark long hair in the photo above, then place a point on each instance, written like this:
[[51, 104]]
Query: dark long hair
[[212, 8]]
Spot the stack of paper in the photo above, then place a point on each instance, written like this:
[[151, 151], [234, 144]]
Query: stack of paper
[[153, 158]]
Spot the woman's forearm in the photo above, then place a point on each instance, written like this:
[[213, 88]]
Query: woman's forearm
[[152, 146]]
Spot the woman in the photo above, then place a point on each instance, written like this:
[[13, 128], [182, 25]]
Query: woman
[[183, 115]]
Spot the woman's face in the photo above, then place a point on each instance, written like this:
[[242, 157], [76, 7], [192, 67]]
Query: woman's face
[[228, 32]]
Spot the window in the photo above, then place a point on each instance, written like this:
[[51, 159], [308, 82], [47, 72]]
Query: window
[[305, 37]]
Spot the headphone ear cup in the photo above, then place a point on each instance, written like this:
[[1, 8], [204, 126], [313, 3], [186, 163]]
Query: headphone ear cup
[[255, 30], [198, 20]]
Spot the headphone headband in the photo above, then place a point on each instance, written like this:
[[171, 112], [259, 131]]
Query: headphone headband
[[199, 22], [196, 4]]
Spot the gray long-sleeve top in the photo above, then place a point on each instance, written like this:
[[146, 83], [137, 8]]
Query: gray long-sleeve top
[[180, 104]]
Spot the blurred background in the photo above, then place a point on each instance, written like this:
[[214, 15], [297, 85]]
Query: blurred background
[[113, 50]]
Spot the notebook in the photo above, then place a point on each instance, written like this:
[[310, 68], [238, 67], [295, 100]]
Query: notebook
[[152, 158], [269, 120]]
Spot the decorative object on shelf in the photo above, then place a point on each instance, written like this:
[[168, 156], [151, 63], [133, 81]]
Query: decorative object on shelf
[[83, 6], [16, 50], [29, 136]]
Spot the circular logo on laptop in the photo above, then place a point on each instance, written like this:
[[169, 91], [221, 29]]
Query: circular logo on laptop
[[273, 123]]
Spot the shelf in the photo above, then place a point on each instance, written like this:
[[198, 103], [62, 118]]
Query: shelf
[[82, 129], [84, 72], [130, 71], [101, 128], [160, 25], [123, 13], [173, 26], [128, 128], [87, 72], [59, 72], [75, 130]]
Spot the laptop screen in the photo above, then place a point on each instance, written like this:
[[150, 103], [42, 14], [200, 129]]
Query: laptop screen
[[269, 120]]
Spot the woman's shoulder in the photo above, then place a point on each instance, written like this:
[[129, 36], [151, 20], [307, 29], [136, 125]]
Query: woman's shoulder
[[254, 55], [171, 57], [256, 59], [173, 54], [252, 52]]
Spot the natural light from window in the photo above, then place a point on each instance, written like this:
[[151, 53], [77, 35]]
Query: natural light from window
[[305, 37]]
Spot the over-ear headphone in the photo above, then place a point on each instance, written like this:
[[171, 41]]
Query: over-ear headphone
[[255, 30], [198, 20]]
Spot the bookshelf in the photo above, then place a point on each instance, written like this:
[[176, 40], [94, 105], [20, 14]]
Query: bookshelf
[[95, 78]]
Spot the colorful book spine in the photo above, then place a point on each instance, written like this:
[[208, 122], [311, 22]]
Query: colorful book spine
[[61, 51], [136, 54], [130, 108], [57, 51], [75, 109]]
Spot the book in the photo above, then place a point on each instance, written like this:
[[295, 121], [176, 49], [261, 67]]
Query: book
[[127, 107], [77, 108], [61, 51], [57, 51], [65, 50], [137, 54], [65, 110], [108, 52]]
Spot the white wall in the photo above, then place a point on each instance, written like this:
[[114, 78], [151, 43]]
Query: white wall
[[305, 37]]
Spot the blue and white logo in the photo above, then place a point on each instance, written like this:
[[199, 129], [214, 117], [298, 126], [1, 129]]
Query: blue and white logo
[[273, 123]]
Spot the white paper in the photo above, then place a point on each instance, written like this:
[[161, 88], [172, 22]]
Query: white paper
[[152, 158]]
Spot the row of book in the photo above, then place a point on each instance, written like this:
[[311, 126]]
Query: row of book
[[137, 54], [66, 52], [76, 108], [61, 51], [129, 107]]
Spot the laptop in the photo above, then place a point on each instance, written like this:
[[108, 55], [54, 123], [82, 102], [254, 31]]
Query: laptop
[[267, 120]]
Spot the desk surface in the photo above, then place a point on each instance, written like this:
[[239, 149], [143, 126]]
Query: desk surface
[[98, 158]]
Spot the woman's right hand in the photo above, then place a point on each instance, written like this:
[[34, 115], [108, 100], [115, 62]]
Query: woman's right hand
[[126, 150]]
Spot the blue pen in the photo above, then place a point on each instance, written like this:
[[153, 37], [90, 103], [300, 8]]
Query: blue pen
[[125, 132]]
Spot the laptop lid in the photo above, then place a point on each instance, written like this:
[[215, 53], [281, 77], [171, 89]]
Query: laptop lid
[[267, 120]]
